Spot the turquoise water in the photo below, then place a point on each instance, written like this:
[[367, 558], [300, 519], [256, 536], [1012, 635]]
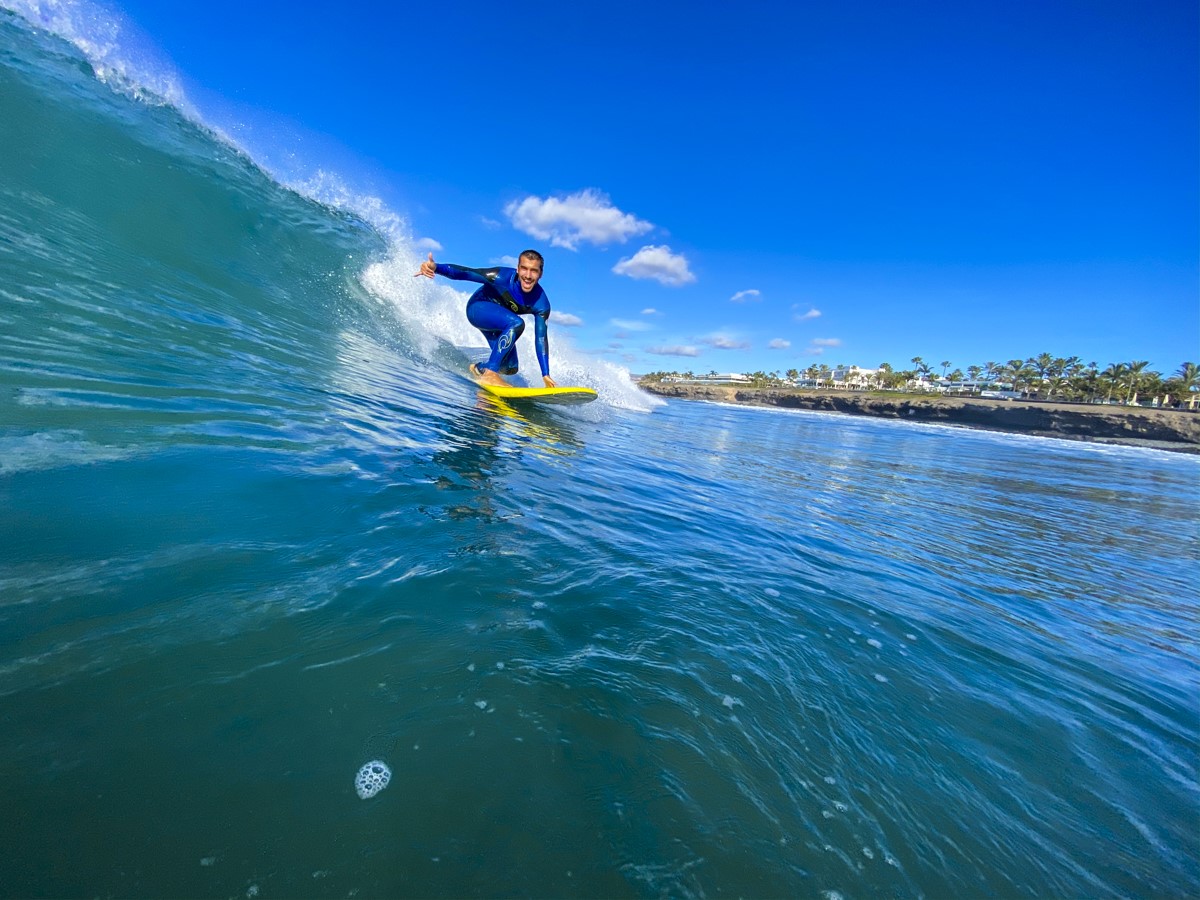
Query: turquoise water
[[257, 531]]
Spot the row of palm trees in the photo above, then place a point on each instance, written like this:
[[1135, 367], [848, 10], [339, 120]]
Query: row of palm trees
[[1067, 378], [1044, 376]]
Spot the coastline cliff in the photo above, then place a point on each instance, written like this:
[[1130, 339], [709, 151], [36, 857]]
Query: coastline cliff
[[1168, 429]]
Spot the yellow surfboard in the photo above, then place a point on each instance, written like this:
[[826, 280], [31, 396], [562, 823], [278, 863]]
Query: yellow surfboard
[[540, 394]]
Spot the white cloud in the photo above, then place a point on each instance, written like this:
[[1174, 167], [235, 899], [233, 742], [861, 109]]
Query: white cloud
[[779, 344], [725, 342], [428, 244], [562, 318], [630, 324], [817, 345], [649, 311], [658, 263], [490, 224], [673, 351], [587, 215], [813, 313], [510, 261], [743, 296]]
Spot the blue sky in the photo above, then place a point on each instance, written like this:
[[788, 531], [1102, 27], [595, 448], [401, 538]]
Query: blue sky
[[747, 186]]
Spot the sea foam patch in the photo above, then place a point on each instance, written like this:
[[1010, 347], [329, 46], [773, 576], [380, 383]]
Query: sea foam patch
[[372, 778]]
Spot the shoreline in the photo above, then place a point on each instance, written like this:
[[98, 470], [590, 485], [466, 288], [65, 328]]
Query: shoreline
[[1134, 426]]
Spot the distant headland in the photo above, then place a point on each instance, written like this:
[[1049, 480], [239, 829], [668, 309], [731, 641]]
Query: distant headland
[[1167, 429]]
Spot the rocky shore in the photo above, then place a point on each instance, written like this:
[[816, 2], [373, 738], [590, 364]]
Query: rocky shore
[[1167, 429]]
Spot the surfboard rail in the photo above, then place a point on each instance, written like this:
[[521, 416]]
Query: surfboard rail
[[569, 394]]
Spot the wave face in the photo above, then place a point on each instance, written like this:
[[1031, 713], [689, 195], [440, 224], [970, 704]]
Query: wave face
[[264, 551]]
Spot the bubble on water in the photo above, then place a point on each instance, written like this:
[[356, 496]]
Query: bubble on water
[[827, 814], [874, 643], [771, 592], [471, 667], [831, 895], [730, 702], [322, 873], [499, 665], [482, 704], [539, 604], [882, 679], [208, 861], [911, 637], [252, 891], [372, 778], [840, 807], [868, 853], [829, 779], [737, 678]]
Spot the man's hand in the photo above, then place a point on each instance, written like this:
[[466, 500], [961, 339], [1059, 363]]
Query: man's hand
[[549, 381], [428, 268]]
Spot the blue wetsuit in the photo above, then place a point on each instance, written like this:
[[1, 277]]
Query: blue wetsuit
[[496, 310]]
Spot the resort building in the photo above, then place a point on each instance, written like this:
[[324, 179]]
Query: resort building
[[714, 378], [853, 378]]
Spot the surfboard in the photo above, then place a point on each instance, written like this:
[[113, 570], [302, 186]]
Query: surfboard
[[540, 394]]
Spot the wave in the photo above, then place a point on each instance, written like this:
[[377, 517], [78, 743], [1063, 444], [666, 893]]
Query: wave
[[423, 320]]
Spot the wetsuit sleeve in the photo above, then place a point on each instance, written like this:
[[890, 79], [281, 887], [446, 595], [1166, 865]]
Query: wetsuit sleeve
[[462, 273], [541, 341]]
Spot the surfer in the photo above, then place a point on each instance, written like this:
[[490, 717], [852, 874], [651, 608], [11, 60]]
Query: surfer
[[496, 309]]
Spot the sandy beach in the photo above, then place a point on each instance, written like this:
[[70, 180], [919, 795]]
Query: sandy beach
[[1167, 429]]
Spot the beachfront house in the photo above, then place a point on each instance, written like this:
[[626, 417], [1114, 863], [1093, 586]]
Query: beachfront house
[[852, 378]]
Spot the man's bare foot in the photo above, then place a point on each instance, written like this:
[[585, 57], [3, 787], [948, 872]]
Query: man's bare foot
[[487, 376]]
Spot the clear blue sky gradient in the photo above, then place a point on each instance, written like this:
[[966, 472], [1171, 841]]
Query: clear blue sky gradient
[[963, 181]]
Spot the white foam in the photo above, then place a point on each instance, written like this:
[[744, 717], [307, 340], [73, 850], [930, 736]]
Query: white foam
[[372, 778]]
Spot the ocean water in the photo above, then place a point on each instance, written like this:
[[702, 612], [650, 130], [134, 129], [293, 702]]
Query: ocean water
[[258, 531]]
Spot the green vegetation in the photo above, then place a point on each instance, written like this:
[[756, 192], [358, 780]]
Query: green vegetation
[[1042, 377]]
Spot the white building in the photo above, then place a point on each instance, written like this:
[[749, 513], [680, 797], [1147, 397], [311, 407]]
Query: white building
[[853, 378], [731, 378]]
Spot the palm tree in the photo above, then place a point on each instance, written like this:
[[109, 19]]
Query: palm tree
[[1188, 379], [1040, 364], [1133, 373], [1113, 375], [1015, 371]]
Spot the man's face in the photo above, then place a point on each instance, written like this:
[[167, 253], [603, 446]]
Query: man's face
[[528, 273]]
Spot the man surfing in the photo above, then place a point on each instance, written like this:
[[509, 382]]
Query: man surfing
[[496, 310]]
